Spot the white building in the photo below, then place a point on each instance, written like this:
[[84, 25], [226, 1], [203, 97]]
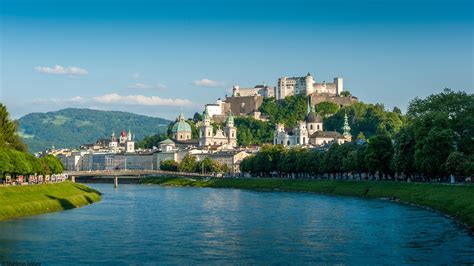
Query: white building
[[306, 85], [262, 90], [215, 108]]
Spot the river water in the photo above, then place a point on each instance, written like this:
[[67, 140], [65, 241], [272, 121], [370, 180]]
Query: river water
[[149, 224]]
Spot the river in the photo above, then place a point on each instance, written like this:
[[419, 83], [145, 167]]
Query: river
[[139, 224]]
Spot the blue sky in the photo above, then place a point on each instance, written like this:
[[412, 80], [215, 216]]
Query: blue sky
[[160, 58]]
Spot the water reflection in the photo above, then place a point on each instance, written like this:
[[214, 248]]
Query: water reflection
[[139, 224]]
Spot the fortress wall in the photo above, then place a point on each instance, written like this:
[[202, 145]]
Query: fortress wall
[[341, 101], [244, 105]]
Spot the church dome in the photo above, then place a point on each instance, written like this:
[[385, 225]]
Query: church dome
[[313, 117], [181, 125]]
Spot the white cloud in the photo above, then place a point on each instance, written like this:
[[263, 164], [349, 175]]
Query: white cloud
[[146, 86], [60, 70], [114, 98], [208, 83], [72, 100]]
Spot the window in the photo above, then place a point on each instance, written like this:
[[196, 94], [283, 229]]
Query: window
[[288, 143], [311, 127], [209, 134], [282, 142], [318, 127], [304, 140]]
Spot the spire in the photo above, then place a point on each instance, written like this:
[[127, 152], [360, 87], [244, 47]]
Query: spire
[[129, 135], [346, 127], [308, 108], [230, 119]]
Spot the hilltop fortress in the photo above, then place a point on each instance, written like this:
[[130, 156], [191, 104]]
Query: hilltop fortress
[[247, 101]]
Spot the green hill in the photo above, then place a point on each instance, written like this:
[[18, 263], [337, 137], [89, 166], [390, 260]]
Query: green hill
[[69, 128]]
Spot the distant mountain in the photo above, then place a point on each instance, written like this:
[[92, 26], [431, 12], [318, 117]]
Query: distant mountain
[[69, 128]]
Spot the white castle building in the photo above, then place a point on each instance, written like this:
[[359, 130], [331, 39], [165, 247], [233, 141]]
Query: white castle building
[[226, 137], [262, 90], [310, 132], [306, 85]]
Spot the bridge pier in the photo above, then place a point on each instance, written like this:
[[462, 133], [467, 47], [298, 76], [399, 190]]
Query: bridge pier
[[73, 179], [116, 182]]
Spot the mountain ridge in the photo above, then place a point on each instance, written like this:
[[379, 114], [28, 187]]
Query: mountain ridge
[[71, 127]]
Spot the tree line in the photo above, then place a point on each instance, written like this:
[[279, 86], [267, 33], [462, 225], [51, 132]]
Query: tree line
[[189, 164], [14, 159], [435, 141]]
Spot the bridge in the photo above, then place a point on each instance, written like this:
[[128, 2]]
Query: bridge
[[127, 176]]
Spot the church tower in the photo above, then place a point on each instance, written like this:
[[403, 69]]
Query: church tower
[[206, 131], [347, 129], [129, 144], [230, 130], [314, 122]]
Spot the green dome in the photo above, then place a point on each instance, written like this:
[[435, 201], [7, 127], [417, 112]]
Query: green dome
[[181, 125]]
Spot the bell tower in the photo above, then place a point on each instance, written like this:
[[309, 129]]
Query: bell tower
[[230, 130], [206, 132]]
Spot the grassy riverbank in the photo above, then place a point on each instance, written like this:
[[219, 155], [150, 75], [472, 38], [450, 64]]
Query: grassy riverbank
[[456, 201], [21, 201]]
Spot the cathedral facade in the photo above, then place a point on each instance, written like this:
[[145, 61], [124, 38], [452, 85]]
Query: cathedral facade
[[228, 136]]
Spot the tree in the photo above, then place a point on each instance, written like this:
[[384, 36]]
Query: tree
[[457, 164], [379, 155], [5, 163], [54, 164], [404, 152], [434, 141], [8, 131], [288, 111], [458, 110], [151, 141], [346, 93], [188, 164], [197, 117], [327, 109], [209, 166], [21, 166], [169, 165]]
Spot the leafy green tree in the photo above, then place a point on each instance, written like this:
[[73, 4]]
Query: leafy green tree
[[197, 117], [404, 152], [21, 166], [251, 131], [151, 141], [327, 109], [54, 164], [169, 165], [288, 111], [209, 166], [8, 131], [5, 163], [188, 164], [457, 164], [435, 140], [368, 119], [379, 155], [457, 109], [346, 93]]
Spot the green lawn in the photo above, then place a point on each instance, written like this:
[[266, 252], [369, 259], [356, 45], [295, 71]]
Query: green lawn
[[21, 201], [454, 200]]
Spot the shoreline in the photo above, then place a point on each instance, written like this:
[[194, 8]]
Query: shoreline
[[22, 201], [456, 202]]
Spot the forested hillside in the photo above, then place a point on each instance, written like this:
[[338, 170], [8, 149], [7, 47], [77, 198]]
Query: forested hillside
[[69, 128]]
